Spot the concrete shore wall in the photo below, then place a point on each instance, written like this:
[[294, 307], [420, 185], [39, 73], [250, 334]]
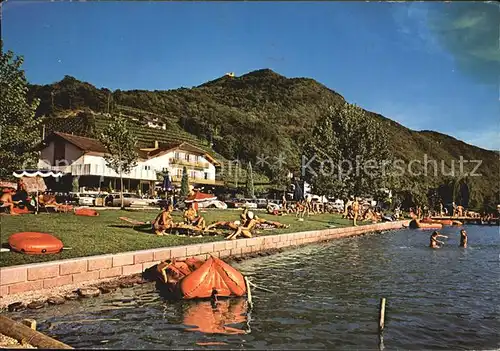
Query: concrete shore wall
[[40, 276]]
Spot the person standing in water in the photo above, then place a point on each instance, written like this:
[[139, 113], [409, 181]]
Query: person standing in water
[[434, 242], [463, 238], [355, 209]]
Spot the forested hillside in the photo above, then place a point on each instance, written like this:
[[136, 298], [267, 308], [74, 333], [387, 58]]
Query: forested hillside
[[263, 114]]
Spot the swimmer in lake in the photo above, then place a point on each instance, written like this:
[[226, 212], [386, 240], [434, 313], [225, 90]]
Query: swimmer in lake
[[463, 238], [434, 242]]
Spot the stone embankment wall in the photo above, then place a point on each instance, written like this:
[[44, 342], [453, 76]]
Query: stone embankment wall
[[39, 276]]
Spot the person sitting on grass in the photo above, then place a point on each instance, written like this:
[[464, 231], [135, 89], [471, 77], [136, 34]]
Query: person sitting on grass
[[246, 228], [434, 242], [6, 201], [21, 197], [243, 215], [163, 221], [191, 217]]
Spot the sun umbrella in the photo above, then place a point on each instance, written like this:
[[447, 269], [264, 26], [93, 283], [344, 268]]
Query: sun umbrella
[[167, 184], [33, 180]]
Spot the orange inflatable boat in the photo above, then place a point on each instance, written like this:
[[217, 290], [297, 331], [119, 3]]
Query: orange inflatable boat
[[415, 224], [441, 221], [86, 212], [196, 279], [34, 243]]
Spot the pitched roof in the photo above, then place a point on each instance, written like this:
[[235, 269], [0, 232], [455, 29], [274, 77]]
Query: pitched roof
[[88, 144], [184, 146], [83, 143]]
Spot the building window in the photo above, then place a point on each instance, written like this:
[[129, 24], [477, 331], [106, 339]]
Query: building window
[[192, 174], [186, 156], [179, 172], [176, 155], [206, 175]]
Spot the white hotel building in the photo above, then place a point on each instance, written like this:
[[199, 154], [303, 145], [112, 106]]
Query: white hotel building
[[83, 157]]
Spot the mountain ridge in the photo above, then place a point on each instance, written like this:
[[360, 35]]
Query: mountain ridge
[[258, 113]]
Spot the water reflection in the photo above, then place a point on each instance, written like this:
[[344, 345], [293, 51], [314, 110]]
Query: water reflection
[[217, 317]]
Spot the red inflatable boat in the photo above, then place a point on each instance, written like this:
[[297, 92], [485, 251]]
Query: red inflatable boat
[[34, 243], [86, 212]]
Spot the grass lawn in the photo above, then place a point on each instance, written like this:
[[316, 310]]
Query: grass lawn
[[87, 236]]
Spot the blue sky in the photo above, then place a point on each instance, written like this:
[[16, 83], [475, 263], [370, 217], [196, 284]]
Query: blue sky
[[398, 59]]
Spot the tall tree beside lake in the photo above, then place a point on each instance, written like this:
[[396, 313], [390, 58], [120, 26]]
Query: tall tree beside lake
[[120, 143], [19, 130], [250, 192], [347, 153], [184, 183]]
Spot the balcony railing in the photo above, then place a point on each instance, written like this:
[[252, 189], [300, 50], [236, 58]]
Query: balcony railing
[[193, 164], [198, 180]]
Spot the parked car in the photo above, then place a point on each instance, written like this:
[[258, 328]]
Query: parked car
[[248, 203], [261, 203], [129, 199], [213, 204], [84, 199], [273, 206], [232, 203], [100, 200]]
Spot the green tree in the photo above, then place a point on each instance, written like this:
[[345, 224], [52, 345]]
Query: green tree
[[120, 144], [249, 188], [184, 183], [347, 153], [19, 130]]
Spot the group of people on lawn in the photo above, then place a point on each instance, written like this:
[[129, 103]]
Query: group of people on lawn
[[12, 198], [192, 220], [19, 200]]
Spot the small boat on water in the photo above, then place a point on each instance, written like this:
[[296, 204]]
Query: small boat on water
[[197, 279], [416, 224], [441, 221]]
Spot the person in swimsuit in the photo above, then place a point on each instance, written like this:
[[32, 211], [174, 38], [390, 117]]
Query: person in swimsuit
[[463, 238], [7, 201], [434, 242], [191, 217], [246, 228], [355, 209], [163, 221]]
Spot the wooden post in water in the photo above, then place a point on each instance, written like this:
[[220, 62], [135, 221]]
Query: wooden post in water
[[249, 293], [20, 332], [381, 321]]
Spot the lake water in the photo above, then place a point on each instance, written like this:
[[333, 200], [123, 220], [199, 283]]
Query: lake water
[[325, 296]]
